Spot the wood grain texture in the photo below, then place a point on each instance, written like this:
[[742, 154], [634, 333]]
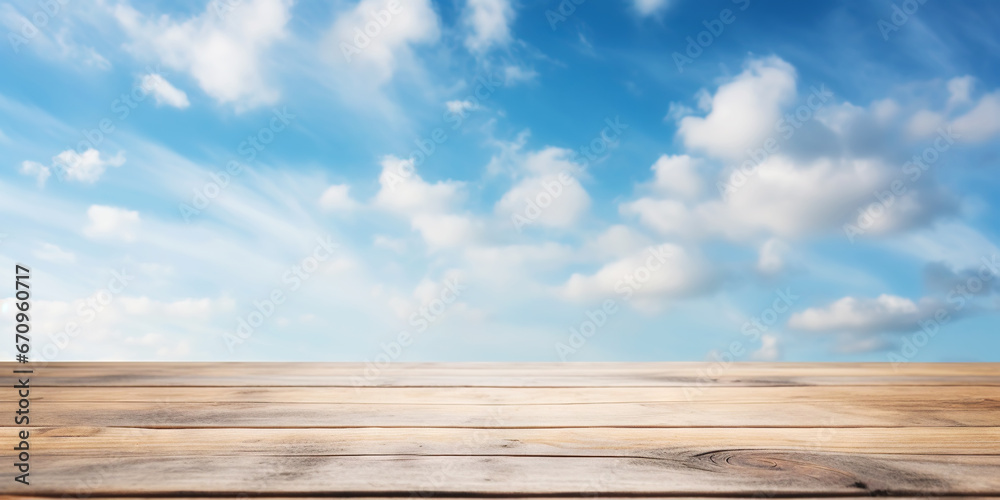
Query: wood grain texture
[[474, 430], [691, 375]]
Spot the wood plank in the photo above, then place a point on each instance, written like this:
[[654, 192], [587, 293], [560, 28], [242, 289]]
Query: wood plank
[[643, 442], [475, 430], [452, 497], [723, 472], [670, 414], [514, 375], [947, 395]]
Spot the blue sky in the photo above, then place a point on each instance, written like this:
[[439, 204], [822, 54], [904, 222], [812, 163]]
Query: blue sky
[[501, 180]]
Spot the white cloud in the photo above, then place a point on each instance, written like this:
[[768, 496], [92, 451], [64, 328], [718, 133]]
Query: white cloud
[[337, 198], [53, 253], [488, 22], [550, 185], [791, 199], [980, 123], [225, 54], [564, 210], [459, 107], [429, 207], [886, 313], [648, 278], [126, 327], [771, 259], [925, 123], [163, 92], [823, 180], [39, 171], [677, 176], [87, 167], [111, 222], [768, 351], [617, 241], [650, 7], [374, 59], [447, 230], [744, 111], [404, 192], [959, 90]]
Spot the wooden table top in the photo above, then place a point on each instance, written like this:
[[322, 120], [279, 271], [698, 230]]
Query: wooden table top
[[238, 430]]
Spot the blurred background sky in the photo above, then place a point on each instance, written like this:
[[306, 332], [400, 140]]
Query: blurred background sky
[[503, 180]]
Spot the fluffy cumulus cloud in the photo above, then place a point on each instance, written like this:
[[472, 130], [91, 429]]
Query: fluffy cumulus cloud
[[769, 186], [649, 278], [783, 197], [548, 193], [980, 123], [404, 192], [488, 22], [769, 349], [368, 42], [225, 52], [430, 208], [885, 313], [743, 112], [677, 176]]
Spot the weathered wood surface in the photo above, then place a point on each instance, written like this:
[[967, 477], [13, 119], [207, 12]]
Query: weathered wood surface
[[513, 374], [233, 430]]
